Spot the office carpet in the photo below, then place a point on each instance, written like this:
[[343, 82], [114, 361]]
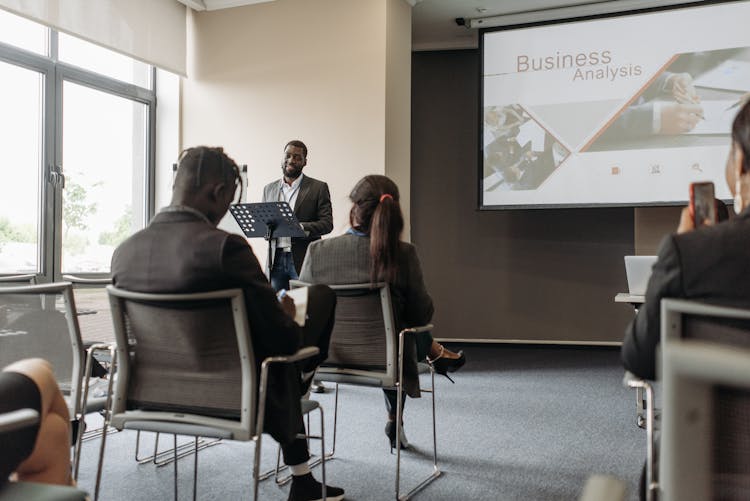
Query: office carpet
[[521, 423]]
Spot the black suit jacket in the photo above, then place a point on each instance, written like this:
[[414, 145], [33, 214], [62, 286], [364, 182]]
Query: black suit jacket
[[709, 264], [180, 252], [312, 208]]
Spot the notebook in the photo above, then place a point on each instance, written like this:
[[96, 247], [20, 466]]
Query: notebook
[[638, 270]]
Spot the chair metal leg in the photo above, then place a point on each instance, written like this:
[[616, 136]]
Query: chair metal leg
[[81, 405], [316, 461], [399, 416], [183, 450], [174, 450], [164, 458], [640, 408], [652, 481], [89, 435], [107, 418], [322, 450], [195, 471]]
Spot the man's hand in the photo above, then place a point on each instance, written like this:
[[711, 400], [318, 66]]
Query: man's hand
[[686, 221], [679, 118], [287, 304], [683, 91]]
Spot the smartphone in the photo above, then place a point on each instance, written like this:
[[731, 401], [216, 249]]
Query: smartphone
[[702, 203]]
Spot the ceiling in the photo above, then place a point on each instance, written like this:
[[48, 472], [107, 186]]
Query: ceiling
[[434, 25], [434, 21]]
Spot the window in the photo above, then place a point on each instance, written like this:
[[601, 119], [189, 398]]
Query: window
[[21, 130], [23, 33], [104, 156], [104, 61], [78, 170]]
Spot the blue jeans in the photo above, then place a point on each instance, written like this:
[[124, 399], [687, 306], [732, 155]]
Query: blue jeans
[[283, 270]]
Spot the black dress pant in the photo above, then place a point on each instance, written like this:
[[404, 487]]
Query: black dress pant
[[321, 308]]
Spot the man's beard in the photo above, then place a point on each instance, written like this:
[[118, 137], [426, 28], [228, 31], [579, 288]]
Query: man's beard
[[295, 172]]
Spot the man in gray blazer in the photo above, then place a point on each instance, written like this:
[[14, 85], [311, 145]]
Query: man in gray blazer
[[311, 202]]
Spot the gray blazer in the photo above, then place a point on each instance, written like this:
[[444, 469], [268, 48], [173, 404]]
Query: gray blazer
[[346, 260], [709, 264], [312, 208]]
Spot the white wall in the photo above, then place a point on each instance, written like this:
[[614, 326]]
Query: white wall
[[261, 75]]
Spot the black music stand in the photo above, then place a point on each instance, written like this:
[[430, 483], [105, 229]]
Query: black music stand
[[269, 220]]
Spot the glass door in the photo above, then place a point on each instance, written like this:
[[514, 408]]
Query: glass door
[[21, 130], [104, 163]]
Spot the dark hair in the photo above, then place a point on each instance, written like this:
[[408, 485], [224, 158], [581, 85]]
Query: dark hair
[[741, 134], [202, 164], [376, 211], [297, 144]]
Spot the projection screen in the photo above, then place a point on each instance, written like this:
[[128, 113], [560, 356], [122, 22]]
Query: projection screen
[[612, 111]]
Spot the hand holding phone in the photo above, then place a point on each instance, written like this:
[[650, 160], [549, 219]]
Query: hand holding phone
[[702, 203]]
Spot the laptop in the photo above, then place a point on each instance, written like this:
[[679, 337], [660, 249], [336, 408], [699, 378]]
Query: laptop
[[638, 271]]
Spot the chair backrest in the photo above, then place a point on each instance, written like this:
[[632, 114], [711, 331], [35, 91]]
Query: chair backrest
[[188, 353], [364, 340], [686, 319], [705, 437], [41, 321]]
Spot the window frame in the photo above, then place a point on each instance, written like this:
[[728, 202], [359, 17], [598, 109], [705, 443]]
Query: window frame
[[55, 73]]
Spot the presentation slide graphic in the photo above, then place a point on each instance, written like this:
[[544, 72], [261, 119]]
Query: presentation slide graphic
[[519, 154], [587, 113], [695, 94]]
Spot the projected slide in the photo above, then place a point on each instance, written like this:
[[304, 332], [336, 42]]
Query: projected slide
[[624, 110]]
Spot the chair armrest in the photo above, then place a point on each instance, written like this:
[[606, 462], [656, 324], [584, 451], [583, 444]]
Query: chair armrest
[[19, 278], [630, 380], [87, 280], [15, 420], [296, 284], [303, 353], [418, 329], [603, 488]]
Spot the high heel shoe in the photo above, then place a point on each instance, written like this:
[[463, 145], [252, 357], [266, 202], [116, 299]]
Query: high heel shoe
[[443, 365], [390, 432]]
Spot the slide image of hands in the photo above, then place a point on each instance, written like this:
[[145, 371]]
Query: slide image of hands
[[692, 102], [519, 154]]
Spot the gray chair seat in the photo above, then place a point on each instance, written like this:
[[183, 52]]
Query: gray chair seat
[[26, 491]]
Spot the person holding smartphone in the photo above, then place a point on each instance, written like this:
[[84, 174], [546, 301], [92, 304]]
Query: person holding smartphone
[[703, 260], [710, 263]]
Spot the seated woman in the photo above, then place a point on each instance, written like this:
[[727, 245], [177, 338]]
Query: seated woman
[[41, 452], [371, 251]]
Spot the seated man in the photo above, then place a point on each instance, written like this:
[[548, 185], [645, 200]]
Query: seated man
[[708, 264], [40, 452], [182, 250]]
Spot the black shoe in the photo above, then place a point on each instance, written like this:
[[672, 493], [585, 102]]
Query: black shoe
[[390, 432], [317, 387], [443, 365], [306, 488]]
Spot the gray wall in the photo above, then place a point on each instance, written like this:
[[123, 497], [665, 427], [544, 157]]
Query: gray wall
[[531, 275]]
